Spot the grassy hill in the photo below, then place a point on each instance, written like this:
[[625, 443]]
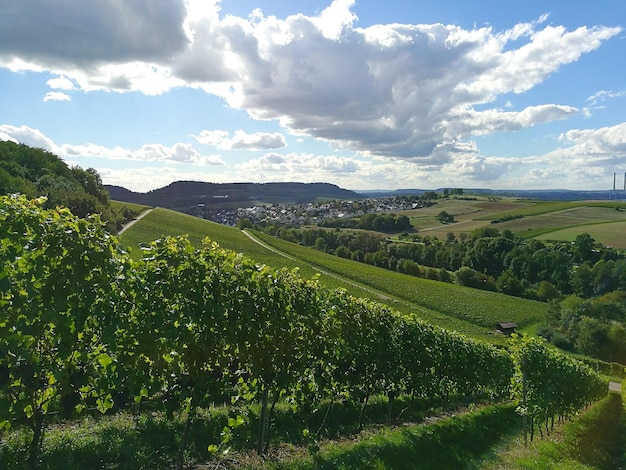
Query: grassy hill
[[470, 311]]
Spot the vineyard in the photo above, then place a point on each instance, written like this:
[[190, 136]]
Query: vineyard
[[180, 330]]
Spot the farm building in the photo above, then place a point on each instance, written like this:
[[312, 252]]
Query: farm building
[[506, 327]]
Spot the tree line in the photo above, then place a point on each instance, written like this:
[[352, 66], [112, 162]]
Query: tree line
[[486, 259]]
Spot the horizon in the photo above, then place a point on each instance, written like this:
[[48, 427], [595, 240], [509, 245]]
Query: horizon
[[379, 190], [394, 94]]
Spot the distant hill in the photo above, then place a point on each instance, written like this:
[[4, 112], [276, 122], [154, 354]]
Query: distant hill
[[182, 195], [540, 194]]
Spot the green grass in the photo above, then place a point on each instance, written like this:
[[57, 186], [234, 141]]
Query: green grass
[[607, 233], [592, 440], [549, 207], [469, 311], [459, 442], [124, 441], [538, 218], [136, 208], [162, 222]]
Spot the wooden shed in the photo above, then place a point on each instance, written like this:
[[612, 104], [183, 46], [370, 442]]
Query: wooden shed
[[506, 327]]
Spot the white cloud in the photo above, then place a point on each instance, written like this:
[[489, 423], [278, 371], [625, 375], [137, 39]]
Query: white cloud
[[31, 137], [393, 90], [60, 83], [335, 19], [214, 138], [241, 140], [604, 95], [182, 153], [69, 34], [469, 121], [56, 96], [587, 155], [148, 178], [607, 143]]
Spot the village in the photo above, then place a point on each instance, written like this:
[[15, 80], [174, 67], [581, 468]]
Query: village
[[297, 215]]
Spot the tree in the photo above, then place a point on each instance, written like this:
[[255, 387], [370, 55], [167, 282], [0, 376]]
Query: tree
[[582, 247], [320, 244], [592, 336], [488, 254], [547, 291], [445, 218], [245, 223], [508, 284]]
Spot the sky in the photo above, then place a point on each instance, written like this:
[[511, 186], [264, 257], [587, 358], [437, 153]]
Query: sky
[[366, 95]]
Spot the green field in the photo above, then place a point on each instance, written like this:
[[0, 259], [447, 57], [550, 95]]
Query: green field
[[477, 307], [163, 222], [137, 208], [609, 234]]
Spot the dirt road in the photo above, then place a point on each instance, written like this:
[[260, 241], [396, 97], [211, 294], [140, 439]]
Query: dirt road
[[132, 222]]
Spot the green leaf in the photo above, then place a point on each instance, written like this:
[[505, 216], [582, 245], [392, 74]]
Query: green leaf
[[104, 359]]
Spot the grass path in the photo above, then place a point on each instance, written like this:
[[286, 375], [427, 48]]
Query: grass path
[[134, 221], [322, 271]]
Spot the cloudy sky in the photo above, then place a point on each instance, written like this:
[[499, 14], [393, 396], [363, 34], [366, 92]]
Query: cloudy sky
[[363, 94]]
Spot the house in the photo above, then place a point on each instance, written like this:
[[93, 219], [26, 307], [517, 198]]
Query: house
[[506, 327]]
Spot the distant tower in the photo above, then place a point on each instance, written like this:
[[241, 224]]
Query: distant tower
[[625, 181], [614, 175]]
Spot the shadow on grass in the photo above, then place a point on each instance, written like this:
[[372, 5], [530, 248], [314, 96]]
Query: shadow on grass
[[596, 439], [151, 440], [459, 442]]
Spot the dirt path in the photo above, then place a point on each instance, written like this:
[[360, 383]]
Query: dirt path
[[132, 222], [615, 387]]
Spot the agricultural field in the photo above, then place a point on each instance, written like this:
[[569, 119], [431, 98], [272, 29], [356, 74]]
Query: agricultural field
[[611, 234], [541, 219], [295, 353], [163, 222], [137, 208], [476, 307]]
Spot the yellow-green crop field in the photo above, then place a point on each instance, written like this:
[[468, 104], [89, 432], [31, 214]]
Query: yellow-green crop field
[[163, 222], [547, 220]]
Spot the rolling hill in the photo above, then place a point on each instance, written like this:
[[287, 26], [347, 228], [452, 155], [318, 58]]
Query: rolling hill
[[186, 194]]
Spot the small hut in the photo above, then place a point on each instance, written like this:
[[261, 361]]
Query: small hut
[[506, 327]]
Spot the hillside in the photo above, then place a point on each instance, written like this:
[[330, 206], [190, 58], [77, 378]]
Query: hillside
[[470, 311], [35, 172], [182, 195]]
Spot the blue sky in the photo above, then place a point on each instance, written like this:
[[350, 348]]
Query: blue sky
[[363, 94]]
